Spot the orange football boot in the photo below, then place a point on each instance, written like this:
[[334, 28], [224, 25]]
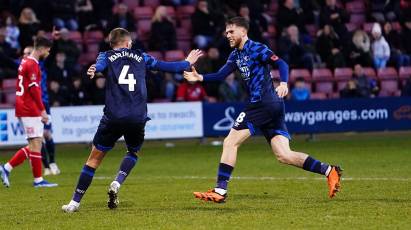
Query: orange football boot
[[334, 179], [210, 195]]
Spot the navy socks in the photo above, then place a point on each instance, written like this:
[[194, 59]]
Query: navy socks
[[126, 166], [83, 183], [223, 176], [313, 165]]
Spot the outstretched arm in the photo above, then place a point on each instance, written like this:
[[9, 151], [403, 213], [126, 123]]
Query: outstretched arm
[[222, 73], [173, 67], [100, 66]]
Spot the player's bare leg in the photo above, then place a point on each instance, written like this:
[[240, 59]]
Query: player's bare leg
[[84, 181], [281, 148], [128, 163], [228, 160]]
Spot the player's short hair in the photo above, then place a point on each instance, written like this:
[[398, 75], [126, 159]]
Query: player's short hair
[[239, 21], [42, 42], [118, 35]]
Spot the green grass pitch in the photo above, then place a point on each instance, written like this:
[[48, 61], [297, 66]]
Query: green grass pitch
[[376, 192]]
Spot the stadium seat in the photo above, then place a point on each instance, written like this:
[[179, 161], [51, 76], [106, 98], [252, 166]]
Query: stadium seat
[[183, 34], [9, 84], [5, 106], [357, 19], [93, 36], [10, 98], [87, 58], [144, 12], [93, 47], [76, 36], [370, 72], [186, 23], [405, 72], [144, 27], [387, 73], [323, 80], [174, 55], [185, 11], [171, 12], [356, 7], [318, 96], [184, 45], [157, 54], [342, 74], [152, 3], [304, 73], [131, 4]]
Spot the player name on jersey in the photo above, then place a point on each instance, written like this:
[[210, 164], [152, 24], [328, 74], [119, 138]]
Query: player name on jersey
[[115, 56]]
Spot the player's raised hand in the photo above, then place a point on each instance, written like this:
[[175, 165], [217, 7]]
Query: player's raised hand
[[282, 89], [91, 71], [193, 76], [193, 56]]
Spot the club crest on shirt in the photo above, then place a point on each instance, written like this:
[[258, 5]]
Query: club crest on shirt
[[33, 77]]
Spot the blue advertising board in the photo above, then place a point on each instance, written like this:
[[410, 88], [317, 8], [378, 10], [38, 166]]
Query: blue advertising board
[[321, 116]]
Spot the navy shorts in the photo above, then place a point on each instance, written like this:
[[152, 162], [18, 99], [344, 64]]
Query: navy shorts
[[109, 132], [268, 117]]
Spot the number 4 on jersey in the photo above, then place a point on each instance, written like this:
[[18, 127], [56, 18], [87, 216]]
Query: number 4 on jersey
[[130, 81]]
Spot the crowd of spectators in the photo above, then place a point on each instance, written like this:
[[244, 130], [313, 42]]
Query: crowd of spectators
[[308, 34]]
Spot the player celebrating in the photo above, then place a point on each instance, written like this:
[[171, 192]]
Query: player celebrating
[[264, 110], [31, 113], [125, 112]]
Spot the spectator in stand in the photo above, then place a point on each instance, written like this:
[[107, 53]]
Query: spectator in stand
[[85, 14], [163, 33], [332, 15], [359, 50], [406, 36], [122, 18], [398, 56], [380, 48], [191, 91], [57, 95], [79, 95], [300, 92], [211, 63], [366, 86], [98, 91], [169, 87], [64, 14], [231, 90], [328, 46], [289, 14], [204, 25], [28, 26], [12, 32], [60, 72], [406, 90], [293, 50], [102, 11], [255, 33], [8, 67], [384, 10], [350, 90], [63, 44]]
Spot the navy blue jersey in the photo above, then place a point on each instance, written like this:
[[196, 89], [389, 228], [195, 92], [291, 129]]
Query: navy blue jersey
[[126, 92], [251, 61]]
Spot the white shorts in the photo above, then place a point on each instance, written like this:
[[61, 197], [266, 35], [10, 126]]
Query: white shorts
[[33, 127]]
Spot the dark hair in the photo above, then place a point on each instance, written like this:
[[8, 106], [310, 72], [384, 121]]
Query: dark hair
[[117, 35], [42, 42], [239, 21]]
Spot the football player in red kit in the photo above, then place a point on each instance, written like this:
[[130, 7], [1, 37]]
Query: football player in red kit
[[31, 113]]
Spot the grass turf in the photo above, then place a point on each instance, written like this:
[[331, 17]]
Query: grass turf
[[263, 193]]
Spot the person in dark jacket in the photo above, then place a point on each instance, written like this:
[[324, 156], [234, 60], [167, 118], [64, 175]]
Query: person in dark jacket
[[163, 33]]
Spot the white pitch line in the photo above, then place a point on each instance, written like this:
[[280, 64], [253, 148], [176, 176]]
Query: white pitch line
[[267, 178]]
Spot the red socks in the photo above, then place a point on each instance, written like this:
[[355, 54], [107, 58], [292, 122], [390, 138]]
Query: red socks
[[19, 157], [35, 159]]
